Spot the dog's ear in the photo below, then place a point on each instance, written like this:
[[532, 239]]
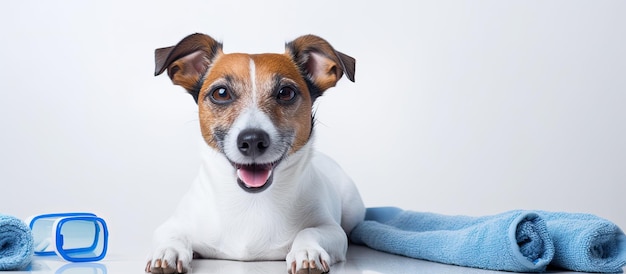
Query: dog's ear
[[187, 61], [322, 65]]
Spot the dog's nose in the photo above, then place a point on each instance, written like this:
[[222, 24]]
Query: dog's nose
[[253, 142]]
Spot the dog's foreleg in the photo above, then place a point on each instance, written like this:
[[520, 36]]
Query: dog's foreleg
[[172, 251], [315, 249]]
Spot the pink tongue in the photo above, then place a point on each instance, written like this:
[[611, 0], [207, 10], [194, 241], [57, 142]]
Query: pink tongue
[[254, 176]]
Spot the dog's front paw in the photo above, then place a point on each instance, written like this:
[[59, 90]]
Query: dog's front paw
[[173, 259], [308, 261]]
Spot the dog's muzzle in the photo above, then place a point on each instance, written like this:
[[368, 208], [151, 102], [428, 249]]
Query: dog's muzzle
[[254, 177]]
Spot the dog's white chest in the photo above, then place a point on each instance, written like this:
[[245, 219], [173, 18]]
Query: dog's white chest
[[253, 248], [262, 233]]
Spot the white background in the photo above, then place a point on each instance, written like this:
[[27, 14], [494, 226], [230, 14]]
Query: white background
[[459, 107]]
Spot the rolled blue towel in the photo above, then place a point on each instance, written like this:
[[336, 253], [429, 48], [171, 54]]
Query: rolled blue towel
[[515, 241], [585, 242], [16, 244]]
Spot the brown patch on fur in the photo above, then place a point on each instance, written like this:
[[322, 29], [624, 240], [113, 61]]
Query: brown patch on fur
[[296, 116], [233, 72], [322, 64], [187, 61]]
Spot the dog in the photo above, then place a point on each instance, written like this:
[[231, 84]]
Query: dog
[[263, 192]]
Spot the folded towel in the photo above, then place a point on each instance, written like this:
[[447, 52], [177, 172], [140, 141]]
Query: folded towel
[[518, 241], [513, 241], [16, 244], [585, 242]]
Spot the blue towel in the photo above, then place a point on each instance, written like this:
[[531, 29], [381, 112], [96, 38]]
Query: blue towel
[[514, 241], [16, 244], [585, 242]]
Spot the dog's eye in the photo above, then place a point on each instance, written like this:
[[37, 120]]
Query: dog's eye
[[220, 95], [286, 94]]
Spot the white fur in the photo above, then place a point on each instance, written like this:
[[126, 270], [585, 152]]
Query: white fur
[[252, 117], [304, 215], [253, 81]]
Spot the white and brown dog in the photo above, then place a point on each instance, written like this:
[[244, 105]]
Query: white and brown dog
[[262, 193]]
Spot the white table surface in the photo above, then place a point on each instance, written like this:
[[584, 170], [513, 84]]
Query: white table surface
[[359, 260]]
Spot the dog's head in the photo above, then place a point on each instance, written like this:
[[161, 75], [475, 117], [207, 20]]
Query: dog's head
[[255, 108]]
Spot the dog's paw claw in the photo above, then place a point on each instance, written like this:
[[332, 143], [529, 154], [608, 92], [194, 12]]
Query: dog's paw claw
[[311, 262], [164, 267], [169, 260]]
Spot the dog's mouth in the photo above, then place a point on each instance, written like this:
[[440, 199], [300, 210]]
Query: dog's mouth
[[255, 177]]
